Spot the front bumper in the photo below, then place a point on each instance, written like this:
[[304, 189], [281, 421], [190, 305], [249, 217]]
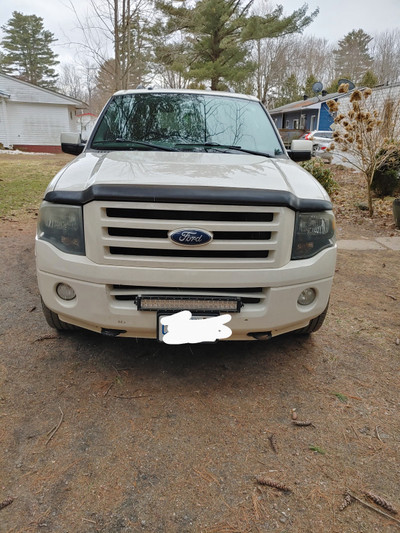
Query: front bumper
[[95, 308]]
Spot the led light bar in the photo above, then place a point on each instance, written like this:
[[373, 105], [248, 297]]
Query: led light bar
[[183, 303]]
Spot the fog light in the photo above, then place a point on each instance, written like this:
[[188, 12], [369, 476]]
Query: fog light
[[65, 292], [307, 297]]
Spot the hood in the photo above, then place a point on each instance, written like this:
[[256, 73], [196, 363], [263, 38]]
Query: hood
[[191, 169]]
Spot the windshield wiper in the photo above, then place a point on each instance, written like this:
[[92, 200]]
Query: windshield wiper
[[226, 147], [133, 142]]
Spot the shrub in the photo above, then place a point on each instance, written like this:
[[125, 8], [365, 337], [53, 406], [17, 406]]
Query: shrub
[[385, 182], [386, 178], [321, 173]]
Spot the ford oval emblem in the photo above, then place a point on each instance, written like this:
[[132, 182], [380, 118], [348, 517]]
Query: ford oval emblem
[[190, 237]]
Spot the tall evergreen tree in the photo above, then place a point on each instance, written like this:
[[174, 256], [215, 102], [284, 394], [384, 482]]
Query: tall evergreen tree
[[352, 57], [308, 87], [27, 52], [217, 34]]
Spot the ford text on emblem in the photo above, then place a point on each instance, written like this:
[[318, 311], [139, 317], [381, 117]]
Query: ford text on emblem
[[190, 237]]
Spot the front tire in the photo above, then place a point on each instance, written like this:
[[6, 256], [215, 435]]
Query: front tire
[[314, 324], [54, 321]]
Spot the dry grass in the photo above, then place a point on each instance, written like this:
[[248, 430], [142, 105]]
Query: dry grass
[[23, 180]]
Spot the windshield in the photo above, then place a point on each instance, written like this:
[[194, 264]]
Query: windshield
[[182, 121]]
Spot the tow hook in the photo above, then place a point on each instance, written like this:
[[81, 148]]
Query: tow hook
[[112, 332], [261, 335]]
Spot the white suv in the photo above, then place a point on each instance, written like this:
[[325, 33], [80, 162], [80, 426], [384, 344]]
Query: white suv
[[185, 201]]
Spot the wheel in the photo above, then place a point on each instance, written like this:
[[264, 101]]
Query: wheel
[[313, 325], [54, 321]]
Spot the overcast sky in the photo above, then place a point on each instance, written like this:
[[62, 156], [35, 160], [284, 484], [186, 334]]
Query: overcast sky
[[336, 18]]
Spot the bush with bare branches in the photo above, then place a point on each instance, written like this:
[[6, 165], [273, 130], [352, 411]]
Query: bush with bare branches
[[366, 133]]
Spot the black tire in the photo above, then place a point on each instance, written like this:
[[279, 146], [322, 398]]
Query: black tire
[[313, 325], [54, 321]]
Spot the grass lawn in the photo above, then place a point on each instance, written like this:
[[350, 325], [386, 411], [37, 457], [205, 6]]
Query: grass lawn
[[23, 180]]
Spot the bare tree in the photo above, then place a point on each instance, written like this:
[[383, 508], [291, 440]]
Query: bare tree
[[114, 30], [313, 55], [385, 50], [70, 83], [272, 67], [278, 58], [78, 80]]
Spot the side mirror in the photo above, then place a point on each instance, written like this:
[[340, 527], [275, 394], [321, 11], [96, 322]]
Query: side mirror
[[71, 143], [300, 150]]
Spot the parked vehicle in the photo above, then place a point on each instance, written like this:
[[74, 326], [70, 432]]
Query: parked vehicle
[[320, 136], [185, 201], [321, 141]]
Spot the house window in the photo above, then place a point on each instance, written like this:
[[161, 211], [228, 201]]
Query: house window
[[303, 122], [312, 122], [287, 125], [296, 124]]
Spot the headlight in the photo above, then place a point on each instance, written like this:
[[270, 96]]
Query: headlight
[[62, 226], [313, 233]]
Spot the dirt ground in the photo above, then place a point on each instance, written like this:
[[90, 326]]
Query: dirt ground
[[118, 435]]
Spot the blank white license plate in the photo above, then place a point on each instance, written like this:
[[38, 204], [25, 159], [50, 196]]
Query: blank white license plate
[[163, 329]]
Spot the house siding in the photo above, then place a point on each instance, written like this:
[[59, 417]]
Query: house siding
[[379, 96], [32, 118], [325, 118], [40, 125], [4, 126]]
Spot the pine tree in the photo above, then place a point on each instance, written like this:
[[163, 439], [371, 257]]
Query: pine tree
[[217, 34], [352, 57], [27, 52], [369, 79], [332, 87], [308, 87]]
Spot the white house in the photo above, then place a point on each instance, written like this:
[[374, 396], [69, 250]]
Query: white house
[[32, 118]]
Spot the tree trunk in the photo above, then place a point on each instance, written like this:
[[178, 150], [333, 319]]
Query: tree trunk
[[259, 90], [369, 191], [128, 45], [117, 64], [214, 84]]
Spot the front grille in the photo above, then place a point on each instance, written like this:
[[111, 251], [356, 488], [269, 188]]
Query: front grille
[[163, 234], [136, 233], [119, 250], [174, 214]]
